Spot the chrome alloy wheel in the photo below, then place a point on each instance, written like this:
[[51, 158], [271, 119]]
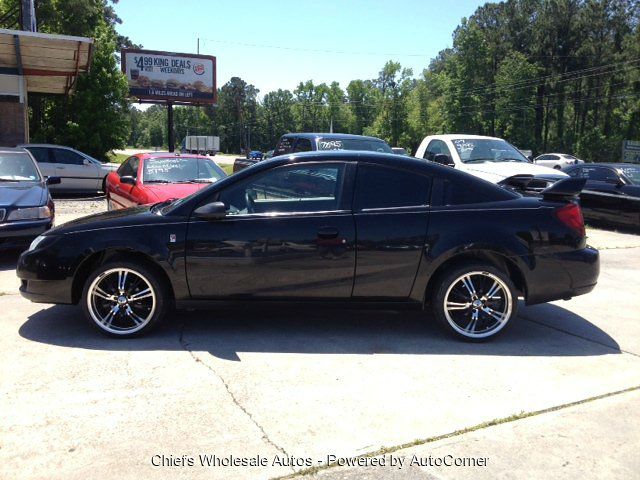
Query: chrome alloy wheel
[[121, 301], [478, 304]]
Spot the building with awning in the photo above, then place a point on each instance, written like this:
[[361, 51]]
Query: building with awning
[[33, 62]]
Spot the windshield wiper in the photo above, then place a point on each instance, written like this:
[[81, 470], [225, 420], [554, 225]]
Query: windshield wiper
[[157, 181], [479, 160], [11, 180], [511, 160], [199, 180]]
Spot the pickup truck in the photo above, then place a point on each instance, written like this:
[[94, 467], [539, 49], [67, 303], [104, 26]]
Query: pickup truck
[[489, 158], [307, 142]]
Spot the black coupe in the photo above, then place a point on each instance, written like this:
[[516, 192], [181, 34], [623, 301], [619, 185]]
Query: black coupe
[[352, 228], [611, 195]]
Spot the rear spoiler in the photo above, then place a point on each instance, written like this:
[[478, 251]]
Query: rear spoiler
[[565, 189]]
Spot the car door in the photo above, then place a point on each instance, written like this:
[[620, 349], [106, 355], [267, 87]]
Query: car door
[[289, 233], [123, 195], [78, 173], [391, 210], [42, 155]]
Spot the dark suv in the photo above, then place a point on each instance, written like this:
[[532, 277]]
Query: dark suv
[[307, 142]]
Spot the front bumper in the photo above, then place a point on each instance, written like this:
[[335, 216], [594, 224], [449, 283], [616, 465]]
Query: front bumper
[[563, 275], [45, 276], [19, 234]]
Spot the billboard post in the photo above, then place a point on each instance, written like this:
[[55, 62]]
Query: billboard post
[[170, 78]]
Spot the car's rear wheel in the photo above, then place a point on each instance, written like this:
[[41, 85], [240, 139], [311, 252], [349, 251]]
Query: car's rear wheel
[[475, 302], [124, 299]]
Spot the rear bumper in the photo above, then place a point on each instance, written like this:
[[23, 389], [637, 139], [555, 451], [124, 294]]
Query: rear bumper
[[15, 235], [563, 275]]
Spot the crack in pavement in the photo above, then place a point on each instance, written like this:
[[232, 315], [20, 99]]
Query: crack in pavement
[[185, 346], [456, 433]]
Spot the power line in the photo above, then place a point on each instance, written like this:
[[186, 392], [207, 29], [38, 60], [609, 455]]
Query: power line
[[314, 50]]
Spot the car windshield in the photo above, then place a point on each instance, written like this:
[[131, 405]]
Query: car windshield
[[479, 150], [632, 173], [17, 167], [366, 144], [181, 170]]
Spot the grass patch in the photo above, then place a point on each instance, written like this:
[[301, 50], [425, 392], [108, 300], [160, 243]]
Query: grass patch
[[117, 157], [228, 169]]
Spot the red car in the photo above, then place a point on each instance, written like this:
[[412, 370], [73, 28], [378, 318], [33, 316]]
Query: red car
[[155, 177]]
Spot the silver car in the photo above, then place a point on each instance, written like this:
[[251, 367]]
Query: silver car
[[79, 172]]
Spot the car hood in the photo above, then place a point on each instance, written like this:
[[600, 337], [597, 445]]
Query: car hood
[[23, 194], [497, 171], [138, 216], [173, 190], [110, 166]]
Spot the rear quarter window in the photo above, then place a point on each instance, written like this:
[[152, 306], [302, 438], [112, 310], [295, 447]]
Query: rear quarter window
[[467, 192]]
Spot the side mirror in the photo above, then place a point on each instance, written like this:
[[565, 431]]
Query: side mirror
[[53, 180], [530, 158], [129, 180], [211, 211], [443, 159], [86, 161]]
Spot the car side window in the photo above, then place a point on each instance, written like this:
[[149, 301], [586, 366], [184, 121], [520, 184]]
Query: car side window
[[436, 147], [67, 157], [41, 154], [284, 146], [129, 168], [383, 187], [289, 189], [303, 145], [599, 174]]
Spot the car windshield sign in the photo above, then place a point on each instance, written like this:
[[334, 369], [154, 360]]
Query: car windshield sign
[[479, 150], [17, 167], [632, 173], [365, 144], [180, 170]]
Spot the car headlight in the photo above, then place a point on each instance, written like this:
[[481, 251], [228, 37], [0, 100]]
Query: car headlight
[[36, 242], [30, 213]]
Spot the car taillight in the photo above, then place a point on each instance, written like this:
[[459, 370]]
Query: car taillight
[[571, 215]]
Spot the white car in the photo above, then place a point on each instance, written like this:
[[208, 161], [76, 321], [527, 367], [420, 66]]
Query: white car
[[490, 158], [556, 160], [79, 172]]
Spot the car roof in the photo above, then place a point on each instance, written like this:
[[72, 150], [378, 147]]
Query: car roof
[[13, 150], [455, 136], [610, 165], [335, 136], [150, 155], [50, 145]]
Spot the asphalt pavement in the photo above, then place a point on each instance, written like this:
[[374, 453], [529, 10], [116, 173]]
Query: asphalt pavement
[[289, 392]]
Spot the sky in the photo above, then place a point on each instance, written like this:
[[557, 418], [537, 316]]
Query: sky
[[278, 44]]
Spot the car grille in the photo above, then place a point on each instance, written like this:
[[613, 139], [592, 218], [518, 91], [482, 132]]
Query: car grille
[[3, 212]]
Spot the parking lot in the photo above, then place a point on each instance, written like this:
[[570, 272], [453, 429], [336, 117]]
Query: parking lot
[[562, 388]]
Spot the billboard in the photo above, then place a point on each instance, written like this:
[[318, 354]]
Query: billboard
[[631, 151], [170, 77]]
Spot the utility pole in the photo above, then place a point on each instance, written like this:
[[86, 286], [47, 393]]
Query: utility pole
[[172, 140]]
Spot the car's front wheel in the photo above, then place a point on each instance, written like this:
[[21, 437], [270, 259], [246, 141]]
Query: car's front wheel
[[124, 299], [475, 302]]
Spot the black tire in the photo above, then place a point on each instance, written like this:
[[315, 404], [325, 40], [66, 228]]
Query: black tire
[[132, 317], [491, 316]]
